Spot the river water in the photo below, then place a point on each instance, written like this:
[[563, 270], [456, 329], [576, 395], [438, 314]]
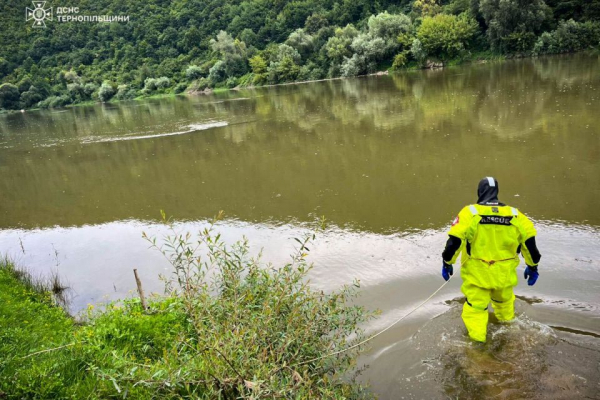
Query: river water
[[389, 160]]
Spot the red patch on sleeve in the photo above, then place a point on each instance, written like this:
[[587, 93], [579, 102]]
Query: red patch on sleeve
[[455, 221]]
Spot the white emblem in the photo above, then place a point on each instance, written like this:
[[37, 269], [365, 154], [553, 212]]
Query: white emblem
[[38, 14]]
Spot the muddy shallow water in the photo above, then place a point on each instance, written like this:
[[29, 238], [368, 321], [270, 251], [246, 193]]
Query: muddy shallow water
[[388, 160]]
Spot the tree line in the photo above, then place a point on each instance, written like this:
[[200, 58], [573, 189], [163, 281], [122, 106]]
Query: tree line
[[194, 45]]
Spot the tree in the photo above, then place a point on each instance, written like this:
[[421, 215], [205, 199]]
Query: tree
[[289, 52], [301, 41], [192, 38], [193, 72], [249, 37], [150, 84], [368, 50], [338, 46], [417, 51], [4, 67], [217, 72], [426, 8], [233, 55], [106, 92], [514, 24], [9, 96], [388, 27], [578, 10], [353, 66], [446, 36], [31, 97], [569, 36], [258, 64], [315, 22], [89, 89], [287, 70], [163, 82]]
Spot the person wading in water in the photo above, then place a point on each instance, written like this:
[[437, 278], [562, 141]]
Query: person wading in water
[[490, 235]]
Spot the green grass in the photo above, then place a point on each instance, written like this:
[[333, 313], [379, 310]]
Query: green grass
[[29, 322], [254, 331]]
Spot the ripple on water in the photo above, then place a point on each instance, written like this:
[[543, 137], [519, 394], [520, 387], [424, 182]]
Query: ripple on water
[[187, 129], [521, 359]]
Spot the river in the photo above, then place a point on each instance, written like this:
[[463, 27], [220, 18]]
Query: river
[[388, 160]]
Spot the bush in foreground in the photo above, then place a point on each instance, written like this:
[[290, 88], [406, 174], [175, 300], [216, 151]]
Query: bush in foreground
[[229, 326]]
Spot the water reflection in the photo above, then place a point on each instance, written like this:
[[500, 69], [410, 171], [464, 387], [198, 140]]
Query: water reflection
[[388, 160], [383, 154]]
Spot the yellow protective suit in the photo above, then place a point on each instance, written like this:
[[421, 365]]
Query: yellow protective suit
[[490, 238]]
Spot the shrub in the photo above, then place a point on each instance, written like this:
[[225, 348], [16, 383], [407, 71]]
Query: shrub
[[249, 37], [31, 97], [163, 82], [388, 27], [75, 90], [55, 101], [106, 92], [180, 87], [418, 52], [233, 54], [258, 65], [231, 82], [24, 84], [446, 36], [353, 66], [315, 22], [4, 67], [150, 84], [217, 72], [400, 60], [71, 76], [369, 47], [9, 96], [229, 326], [286, 51], [89, 89], [199, 84], [338, 46], [124, 93], [317, 73], [301, 41], [248, 330], [285, 70], [424, 8], [193, 72]]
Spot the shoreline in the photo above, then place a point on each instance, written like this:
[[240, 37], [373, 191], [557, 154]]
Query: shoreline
[[476, 59]]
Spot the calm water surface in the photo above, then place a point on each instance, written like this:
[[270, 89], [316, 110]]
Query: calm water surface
[[388, 160]]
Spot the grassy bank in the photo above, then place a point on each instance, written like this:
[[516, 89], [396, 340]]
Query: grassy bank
[[247, 331]]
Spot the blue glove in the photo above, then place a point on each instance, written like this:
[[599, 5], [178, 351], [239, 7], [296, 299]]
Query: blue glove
[[531, 274], [447, 270]]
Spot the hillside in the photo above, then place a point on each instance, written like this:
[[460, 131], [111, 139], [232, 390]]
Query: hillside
[[173, 46]]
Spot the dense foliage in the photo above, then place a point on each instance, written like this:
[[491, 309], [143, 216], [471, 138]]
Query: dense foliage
[[171, 46], [228, 327]]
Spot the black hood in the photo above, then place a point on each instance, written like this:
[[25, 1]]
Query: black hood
[[487, 191]]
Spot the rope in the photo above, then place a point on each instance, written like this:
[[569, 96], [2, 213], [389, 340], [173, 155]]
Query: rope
[[376, 334]]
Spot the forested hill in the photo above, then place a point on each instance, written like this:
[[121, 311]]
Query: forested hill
[[169, 46]]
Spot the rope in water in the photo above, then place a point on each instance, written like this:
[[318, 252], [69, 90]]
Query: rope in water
[[376, 334]]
